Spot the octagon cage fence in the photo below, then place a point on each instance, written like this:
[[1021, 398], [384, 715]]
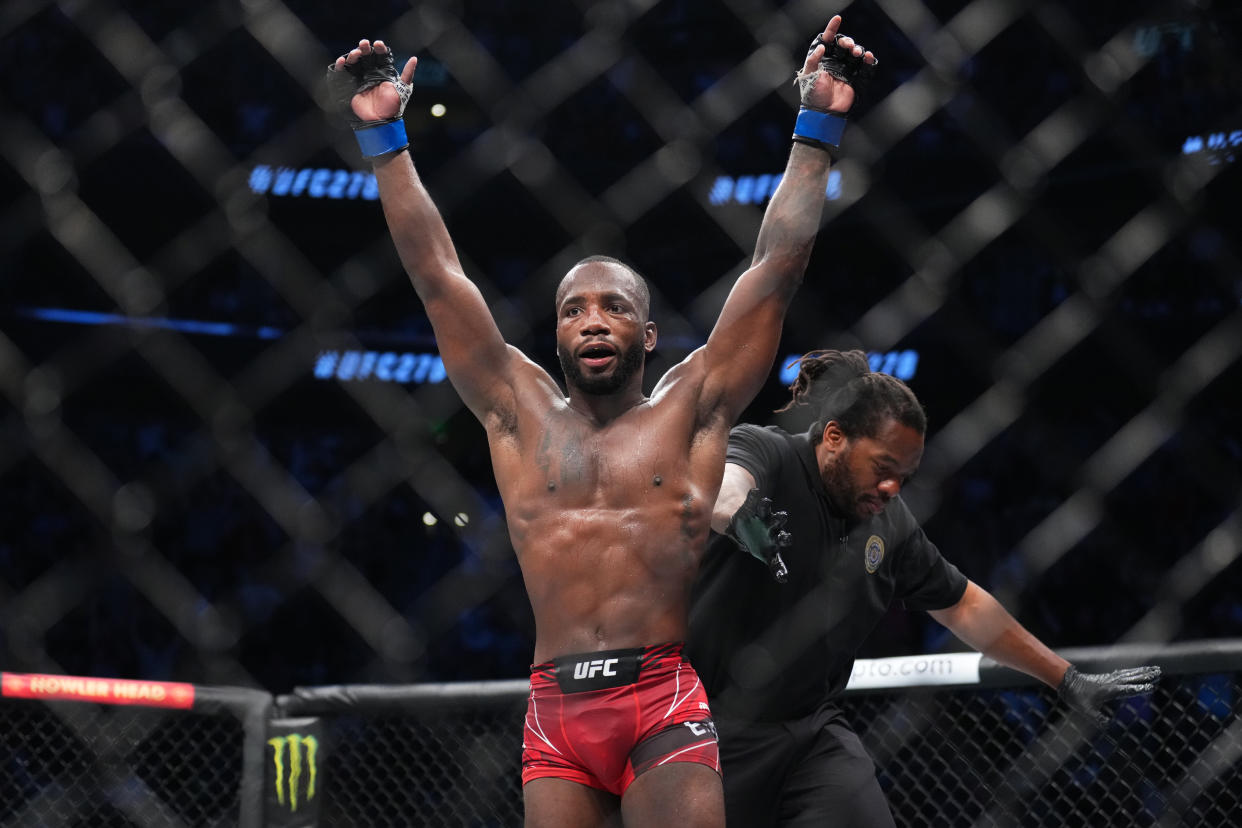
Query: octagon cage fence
[[231, 462], [958, 741]]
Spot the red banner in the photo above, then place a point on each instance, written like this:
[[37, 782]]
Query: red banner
[[100, 690]]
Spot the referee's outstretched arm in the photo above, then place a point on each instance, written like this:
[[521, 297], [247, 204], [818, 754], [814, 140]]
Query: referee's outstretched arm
[[980, 621]]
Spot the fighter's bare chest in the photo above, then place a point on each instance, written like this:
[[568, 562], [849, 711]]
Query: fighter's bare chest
[[566, 453]]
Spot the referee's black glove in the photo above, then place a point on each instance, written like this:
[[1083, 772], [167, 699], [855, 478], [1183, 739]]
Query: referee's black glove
[[757, 530], [1087, 692]]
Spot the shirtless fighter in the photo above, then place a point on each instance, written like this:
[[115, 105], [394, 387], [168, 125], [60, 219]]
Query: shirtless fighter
[[608, 492]]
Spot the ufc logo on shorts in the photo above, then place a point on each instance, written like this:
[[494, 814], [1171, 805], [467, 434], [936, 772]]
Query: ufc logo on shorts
[[707, 728], [598, 667]]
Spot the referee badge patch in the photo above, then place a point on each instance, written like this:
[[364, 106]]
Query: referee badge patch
[[873, 553]]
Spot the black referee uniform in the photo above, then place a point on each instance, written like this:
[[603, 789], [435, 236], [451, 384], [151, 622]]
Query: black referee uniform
[[774, 656]]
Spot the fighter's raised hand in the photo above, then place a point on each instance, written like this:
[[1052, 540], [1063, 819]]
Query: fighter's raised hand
[[829, 81], [834, 71], [369, 93]]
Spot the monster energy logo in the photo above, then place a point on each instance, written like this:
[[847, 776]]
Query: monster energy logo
[[288, 750]]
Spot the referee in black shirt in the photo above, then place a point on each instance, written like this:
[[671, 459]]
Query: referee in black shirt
[[774, 656]]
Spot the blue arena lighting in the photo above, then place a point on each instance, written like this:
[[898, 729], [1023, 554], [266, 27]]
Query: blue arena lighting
[[756, 189], [901, 364], [388, 366], [1219, 147], [394, 366], [313, 182], [194, 326]]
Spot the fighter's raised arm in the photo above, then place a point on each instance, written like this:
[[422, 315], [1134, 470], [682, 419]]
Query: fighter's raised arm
[[372, 96], [743, 343]]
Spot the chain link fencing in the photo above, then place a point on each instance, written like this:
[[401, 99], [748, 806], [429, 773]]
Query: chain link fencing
[[1001, 753], [230, 457], [992, 751], [77, 751]]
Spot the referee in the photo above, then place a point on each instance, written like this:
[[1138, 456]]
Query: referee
[[775, 655]]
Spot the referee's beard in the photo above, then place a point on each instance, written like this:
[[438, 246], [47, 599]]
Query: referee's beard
[[845, 495]]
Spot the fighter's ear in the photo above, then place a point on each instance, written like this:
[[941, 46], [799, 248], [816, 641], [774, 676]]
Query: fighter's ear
[[649, 337]]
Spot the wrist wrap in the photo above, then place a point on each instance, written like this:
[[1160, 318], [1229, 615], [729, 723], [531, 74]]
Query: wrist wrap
[[381, 137], [822, 130]]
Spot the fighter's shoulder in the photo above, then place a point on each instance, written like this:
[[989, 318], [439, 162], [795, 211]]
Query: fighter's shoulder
[[688, 373], [524, 373], [524, 386]]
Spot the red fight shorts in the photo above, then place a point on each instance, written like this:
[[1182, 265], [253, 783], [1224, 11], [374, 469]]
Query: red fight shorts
[[604, 718]]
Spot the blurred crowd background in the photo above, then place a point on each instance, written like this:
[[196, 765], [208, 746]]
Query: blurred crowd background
[[212, 472]]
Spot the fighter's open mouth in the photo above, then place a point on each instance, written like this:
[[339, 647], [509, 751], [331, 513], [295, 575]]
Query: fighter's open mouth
[[596, 352]]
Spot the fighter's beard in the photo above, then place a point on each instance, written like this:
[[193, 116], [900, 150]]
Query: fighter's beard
[[629, 362]]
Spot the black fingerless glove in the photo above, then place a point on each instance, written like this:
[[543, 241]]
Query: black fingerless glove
[[844, 65], [815, 127], [374, 137]]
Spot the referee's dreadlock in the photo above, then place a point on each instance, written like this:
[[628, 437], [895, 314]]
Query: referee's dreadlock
[[840, 385]]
